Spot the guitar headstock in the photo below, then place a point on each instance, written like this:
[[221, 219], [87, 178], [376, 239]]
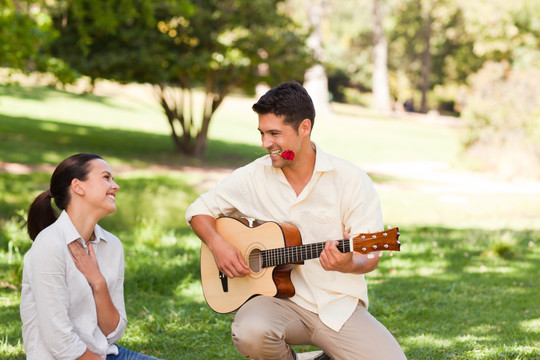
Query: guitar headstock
[[386, 240]]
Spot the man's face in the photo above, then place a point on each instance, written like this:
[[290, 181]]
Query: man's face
[[276, 136]]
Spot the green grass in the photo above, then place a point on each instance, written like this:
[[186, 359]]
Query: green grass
[[464, 286]]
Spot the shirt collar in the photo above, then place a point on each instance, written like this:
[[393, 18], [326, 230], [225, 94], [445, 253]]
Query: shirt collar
[[100, 234], [322, 161], [71, 233]]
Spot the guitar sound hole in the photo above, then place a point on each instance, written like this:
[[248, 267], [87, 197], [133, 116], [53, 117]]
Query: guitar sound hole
[[255, 260]]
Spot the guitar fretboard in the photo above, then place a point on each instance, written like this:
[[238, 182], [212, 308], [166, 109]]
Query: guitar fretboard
[[294, 254]]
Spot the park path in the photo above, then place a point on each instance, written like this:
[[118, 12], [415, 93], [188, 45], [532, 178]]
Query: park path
[[432, 177], [441, 177], [436, 177]]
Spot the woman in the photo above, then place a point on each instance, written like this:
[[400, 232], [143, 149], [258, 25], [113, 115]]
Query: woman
[[72, 299]]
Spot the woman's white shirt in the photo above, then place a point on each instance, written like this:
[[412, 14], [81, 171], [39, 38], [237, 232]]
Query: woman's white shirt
[[57, 308]]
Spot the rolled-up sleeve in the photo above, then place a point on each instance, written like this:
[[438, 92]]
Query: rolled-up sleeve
[[362, 210], [226, 198], [198, 207]]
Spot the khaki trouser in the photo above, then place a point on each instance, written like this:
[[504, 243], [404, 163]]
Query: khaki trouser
[[265, 327]]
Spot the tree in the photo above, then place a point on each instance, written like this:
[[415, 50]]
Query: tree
[[316, 81], [341, 43], [181, 46], [22, 34], [429, 45], [502, 108], [502, 118], [381, 90]]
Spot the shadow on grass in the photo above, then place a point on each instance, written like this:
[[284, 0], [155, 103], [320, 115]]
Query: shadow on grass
[[468, 303], [41, 93], [28, 141], [450, 295]]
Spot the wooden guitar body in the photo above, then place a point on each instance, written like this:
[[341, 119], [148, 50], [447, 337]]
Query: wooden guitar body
[[271, 250], [271, 281]]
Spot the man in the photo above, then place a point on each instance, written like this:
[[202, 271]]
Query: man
[[325, 197]]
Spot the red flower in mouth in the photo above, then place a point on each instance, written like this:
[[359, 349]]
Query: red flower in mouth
[[287, 155]]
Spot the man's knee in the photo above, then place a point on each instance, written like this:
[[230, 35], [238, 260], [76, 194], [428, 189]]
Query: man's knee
[[248, 336]]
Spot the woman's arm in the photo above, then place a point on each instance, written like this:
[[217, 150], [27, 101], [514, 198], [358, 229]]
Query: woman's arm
[[88, 355], [107, 314], [46, 301]]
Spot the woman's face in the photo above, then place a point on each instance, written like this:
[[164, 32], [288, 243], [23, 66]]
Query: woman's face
[[100, 187]]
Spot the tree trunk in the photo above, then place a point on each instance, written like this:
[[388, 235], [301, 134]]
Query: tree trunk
[[316, 81], [426, 59], [381, 89], [213, 97], [177, 102], [172, 103]]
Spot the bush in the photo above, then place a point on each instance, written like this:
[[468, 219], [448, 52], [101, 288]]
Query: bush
[[502, 114]]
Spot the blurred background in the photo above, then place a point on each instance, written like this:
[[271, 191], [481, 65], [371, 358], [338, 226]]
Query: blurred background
[[437, 100], [474, 61]]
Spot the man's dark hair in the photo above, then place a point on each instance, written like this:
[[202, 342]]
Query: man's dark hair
[[288, 99]]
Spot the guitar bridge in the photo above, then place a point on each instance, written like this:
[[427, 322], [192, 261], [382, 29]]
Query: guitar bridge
[[224, 282]]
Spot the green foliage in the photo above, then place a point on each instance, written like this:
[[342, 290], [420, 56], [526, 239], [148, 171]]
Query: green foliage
[[24, 33], [505, 246], [110, 39], [503, 114], [216, 45], [462, 36], [437, 27], [451, 293], [453, 298]]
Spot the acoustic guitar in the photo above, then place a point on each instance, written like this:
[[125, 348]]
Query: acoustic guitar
[[271, 250]]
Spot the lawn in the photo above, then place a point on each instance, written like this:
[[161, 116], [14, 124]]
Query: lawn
[[464, 286]]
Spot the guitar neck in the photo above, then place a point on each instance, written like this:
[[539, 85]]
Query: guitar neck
[[363, 243], [295, 254]]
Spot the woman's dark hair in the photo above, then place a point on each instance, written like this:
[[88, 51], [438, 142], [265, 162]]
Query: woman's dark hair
[[41, 213], [288, 99]]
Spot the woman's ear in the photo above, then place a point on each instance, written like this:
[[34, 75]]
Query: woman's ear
[[77, 187]]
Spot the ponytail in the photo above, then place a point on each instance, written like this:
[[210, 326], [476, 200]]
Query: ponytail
[[41, 214]]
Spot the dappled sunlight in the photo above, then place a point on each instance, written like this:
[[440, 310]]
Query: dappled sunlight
[[50, 127], [531, 326], [464, 285], [482, 269], [191, 291], [477, 342], [428, 271], [65, 107], [428, 341], [410, 267], [51, 157]]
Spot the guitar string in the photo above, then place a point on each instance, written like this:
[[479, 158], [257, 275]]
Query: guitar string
[[273, 257], [293, 254]]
